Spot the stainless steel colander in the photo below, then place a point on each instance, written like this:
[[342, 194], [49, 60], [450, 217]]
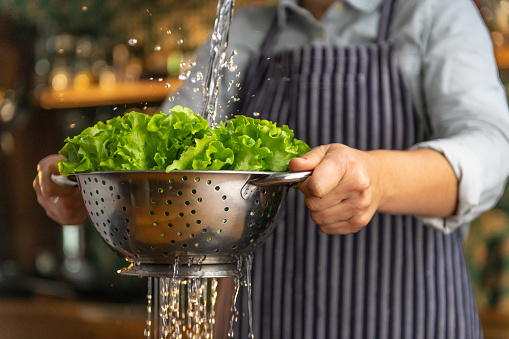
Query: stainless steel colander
[[206, 219]]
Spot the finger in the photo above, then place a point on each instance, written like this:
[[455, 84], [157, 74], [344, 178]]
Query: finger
[[309, 160], [326, 176], [339, 228], [334, 198], [49, 188], [358, 210], [69, 210]]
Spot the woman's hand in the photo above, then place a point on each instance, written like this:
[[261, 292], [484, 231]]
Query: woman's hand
[[342, 193], [62, 204], [348, 186]]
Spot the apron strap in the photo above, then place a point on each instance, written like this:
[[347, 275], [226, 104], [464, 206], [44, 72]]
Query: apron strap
[[271, 36], [385, 20]]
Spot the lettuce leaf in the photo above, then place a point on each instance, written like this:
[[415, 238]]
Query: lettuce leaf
[[181, 140]]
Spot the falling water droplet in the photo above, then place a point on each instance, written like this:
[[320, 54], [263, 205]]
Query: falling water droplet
[[256, 114], [167, 85], [180, 41], [132, 42], [216, 36], [157, 48], [84, 8], [199, 76], [184, 75], [168, 32], [196, 89]]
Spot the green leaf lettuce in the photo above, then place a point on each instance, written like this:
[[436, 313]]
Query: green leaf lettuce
[[180, 140]]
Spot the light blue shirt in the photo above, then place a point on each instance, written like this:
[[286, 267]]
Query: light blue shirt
[[445, 56]]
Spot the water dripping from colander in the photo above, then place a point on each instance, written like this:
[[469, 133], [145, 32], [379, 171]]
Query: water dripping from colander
[[249, 263], [234, 310]]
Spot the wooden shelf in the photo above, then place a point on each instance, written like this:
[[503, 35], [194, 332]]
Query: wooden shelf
[[118, 94], [46, 318], [502, 57], [495, 324]]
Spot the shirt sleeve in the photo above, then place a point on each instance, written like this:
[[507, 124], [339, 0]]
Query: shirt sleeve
[[466, 108]]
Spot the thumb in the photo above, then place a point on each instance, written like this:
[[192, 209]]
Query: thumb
[[308, 161]]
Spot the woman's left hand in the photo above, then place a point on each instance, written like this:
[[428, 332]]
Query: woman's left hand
[[343, 192]]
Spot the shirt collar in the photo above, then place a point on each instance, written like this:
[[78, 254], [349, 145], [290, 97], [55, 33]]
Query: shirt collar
[[293, 5]]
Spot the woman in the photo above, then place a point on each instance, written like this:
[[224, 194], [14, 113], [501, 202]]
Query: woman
[[405, 100]]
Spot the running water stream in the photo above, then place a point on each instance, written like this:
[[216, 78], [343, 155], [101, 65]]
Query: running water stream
[[218, 60]]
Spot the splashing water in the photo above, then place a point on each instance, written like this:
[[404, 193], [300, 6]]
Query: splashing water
[[132, 42], [184, 75]]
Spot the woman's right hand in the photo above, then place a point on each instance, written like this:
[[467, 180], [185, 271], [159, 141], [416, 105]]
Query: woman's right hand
[[62, 204]]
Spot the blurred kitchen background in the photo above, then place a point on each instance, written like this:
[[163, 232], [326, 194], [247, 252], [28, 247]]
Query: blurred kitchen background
[[64, 65]]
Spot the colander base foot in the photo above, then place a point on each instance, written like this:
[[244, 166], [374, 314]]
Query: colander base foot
[[184, 270]]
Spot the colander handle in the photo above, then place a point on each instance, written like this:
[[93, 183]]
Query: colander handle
[[63, 181], [281, 178]]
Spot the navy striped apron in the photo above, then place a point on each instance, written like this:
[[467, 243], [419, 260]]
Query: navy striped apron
[[396, 278]]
